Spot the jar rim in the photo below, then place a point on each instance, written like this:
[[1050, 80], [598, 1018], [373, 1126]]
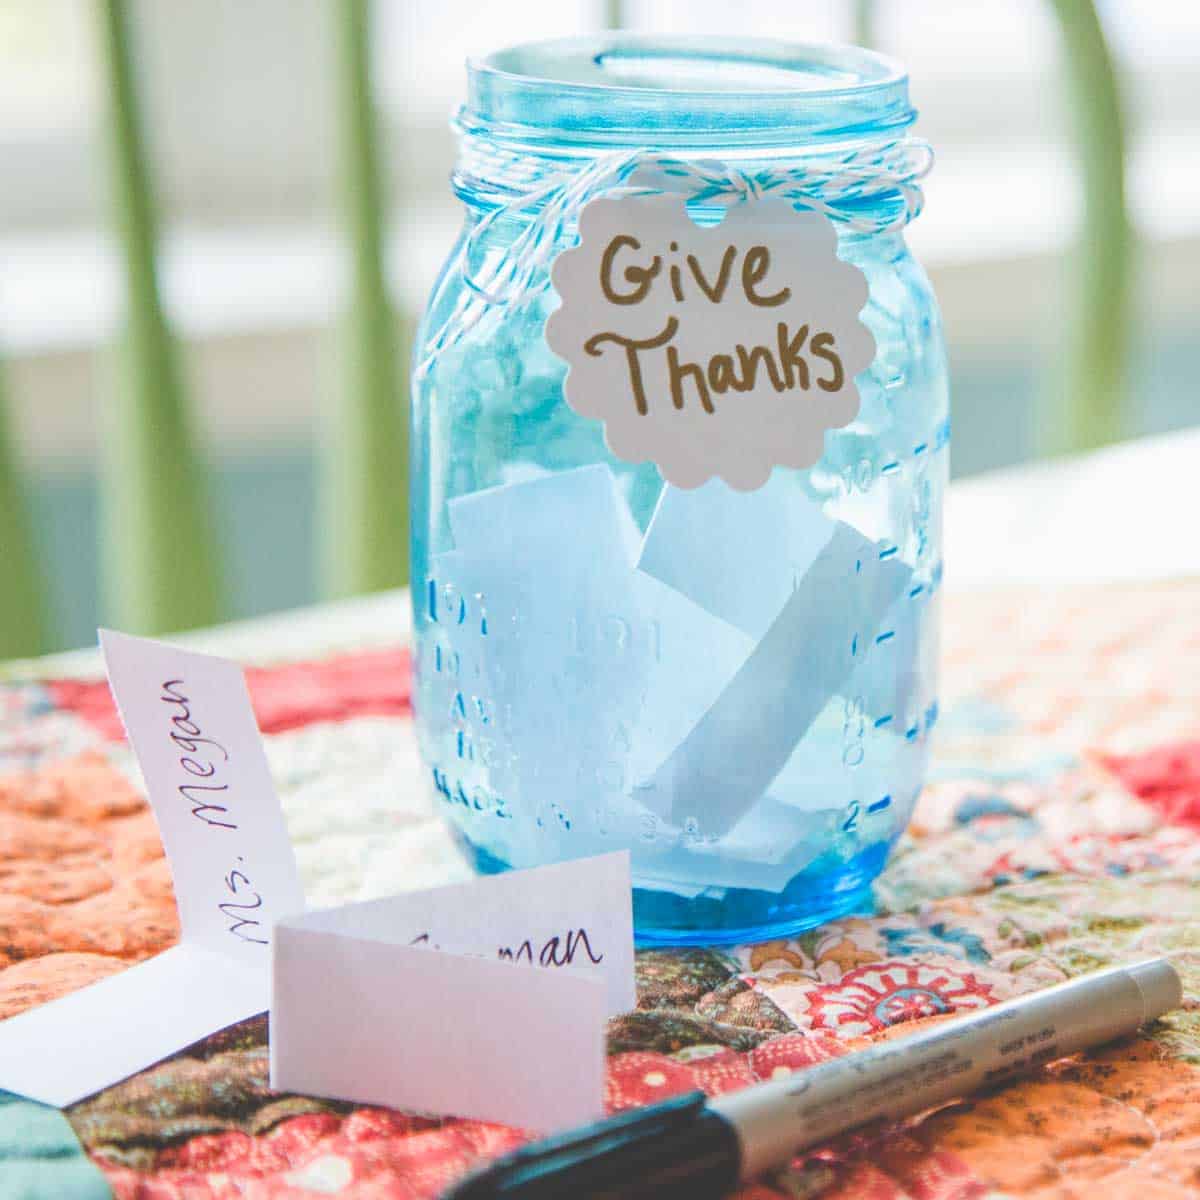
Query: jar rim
[[642, 85]]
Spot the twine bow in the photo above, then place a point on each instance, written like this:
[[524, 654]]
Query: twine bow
[[839, 186]]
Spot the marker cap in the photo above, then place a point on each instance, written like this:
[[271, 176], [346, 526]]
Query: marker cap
[[1160, 986], [678, 1147]]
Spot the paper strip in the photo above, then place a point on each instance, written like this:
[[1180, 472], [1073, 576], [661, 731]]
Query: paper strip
[[672, 701], [549, 565], [376, 1023], [190, 723], [737, 748], [739, 555], [70, 1048], [536, 518], [191, 726]]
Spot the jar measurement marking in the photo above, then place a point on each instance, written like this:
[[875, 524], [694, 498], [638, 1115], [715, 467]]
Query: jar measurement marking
[[479, 799]]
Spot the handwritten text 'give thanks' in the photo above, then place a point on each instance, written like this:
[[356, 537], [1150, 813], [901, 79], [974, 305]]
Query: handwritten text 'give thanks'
[[628, 276], [726, 348]]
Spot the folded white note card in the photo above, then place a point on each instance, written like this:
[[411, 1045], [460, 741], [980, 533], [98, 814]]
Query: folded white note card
[[190, 723], [486, 999]]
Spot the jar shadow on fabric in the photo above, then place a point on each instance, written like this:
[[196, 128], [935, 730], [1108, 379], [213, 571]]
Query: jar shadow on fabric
[[605, 661]]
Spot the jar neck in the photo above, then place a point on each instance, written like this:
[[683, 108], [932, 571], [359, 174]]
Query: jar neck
[[881, 173], [554, 110]]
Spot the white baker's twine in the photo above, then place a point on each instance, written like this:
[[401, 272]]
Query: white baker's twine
[[833, 186]]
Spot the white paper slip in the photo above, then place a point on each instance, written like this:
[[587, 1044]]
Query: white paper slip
[[359, 1019], [728, 760], [575, 914], [485, 999], [549, 563], [61, 1052], [193, 731], [739, 555], [190, 723]]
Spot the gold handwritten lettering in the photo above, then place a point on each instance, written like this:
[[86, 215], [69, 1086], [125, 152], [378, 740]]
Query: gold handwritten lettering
[[640, 277], [755, 266], [593, 347], [822, 347]]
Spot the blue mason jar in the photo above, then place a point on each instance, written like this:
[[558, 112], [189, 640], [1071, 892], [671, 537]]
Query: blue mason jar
[[752, 721]]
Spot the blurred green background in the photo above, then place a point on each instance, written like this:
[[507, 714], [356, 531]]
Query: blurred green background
[[217, 221]]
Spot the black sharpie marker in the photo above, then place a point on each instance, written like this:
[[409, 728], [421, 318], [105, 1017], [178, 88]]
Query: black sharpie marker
[[702, 1148]]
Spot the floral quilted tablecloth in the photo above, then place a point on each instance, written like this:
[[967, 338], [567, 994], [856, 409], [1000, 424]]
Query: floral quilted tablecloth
[[1060, 831]]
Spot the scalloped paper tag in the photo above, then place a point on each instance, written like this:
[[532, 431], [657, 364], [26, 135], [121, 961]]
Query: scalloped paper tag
[[721, 351]]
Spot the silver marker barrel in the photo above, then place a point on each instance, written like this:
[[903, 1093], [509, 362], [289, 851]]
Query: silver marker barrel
[[776, 1120]]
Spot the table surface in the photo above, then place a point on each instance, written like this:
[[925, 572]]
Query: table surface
[[1120, 513], [1060, 831]]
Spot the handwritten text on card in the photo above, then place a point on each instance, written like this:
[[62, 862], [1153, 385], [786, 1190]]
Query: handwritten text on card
[[189, 719]]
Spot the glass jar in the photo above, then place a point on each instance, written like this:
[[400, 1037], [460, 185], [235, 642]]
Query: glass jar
[[758, 774]]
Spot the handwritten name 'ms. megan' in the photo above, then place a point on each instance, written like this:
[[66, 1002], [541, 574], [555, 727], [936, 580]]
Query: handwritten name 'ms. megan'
[[627, 278], [198, 759], [202, 758]]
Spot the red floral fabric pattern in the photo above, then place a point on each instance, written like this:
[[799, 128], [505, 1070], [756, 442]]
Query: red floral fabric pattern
[[1058, 836], [368, 683], [1168, 778], [871, 998]]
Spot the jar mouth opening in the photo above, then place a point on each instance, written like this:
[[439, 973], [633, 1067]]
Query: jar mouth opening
[[698, 65], [691, 86]]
